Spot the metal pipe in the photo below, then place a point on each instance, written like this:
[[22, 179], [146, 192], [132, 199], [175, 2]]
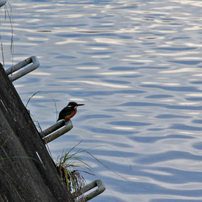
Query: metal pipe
[[94, 193], [52, 128], [35, 64], [67, 127]]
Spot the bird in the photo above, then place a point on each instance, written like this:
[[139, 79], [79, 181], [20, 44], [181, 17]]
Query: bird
[[69, 111]]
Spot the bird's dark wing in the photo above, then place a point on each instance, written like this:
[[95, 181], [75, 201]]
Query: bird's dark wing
[[66, 111]]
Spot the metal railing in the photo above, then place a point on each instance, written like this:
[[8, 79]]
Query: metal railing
[[35, 64], [56, 130], [100, 188]]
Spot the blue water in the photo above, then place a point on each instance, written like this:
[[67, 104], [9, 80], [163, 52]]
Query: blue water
[[136, 65]]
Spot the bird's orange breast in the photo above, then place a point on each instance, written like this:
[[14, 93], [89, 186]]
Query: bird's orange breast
[[68, 117]]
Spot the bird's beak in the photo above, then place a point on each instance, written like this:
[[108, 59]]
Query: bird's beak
[[80, 104]]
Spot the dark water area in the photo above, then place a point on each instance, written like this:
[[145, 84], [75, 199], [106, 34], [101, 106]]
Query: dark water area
[[136, 65]]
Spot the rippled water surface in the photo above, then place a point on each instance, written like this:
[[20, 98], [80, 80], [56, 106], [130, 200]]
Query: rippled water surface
[[136, 65]]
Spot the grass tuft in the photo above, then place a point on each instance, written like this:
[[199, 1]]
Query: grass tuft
[[68, 168]]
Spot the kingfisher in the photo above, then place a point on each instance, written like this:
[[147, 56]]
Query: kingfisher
[[69, 111]]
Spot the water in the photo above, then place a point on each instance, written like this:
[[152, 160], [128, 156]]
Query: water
[[136, 65]]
